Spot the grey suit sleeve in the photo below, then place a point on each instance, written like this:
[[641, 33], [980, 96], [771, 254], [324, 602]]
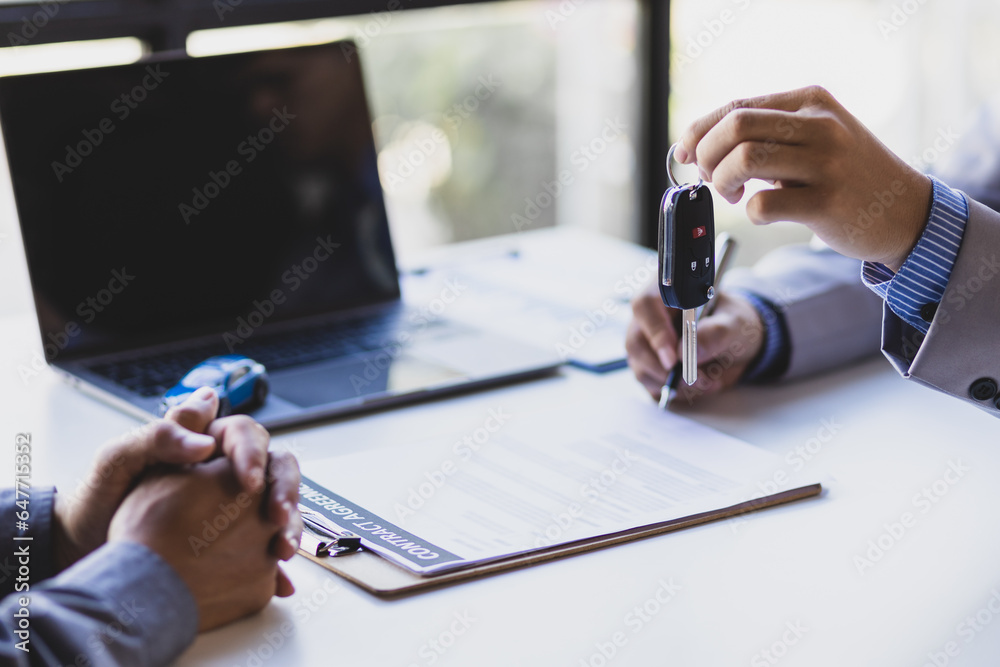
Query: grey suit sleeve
[[122, 605], [962, 344], [832, 319]]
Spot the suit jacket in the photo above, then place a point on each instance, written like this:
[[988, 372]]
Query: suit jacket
[[833, 319], [961, 349]]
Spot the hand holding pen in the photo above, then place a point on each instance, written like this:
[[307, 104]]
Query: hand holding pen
[[730, 335]]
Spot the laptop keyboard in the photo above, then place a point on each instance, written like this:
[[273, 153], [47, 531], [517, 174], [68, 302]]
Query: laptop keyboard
[[151, 376]]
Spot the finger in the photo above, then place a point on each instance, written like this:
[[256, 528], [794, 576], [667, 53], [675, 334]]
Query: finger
[[197, 411], [788, 101], [657, 327], [760, 126], [791, 165], [122, 460], [283, 476], [244, 442], [796, 204], [713, 377], [650, 376], [643, 361], [287, 543], [284, 587]]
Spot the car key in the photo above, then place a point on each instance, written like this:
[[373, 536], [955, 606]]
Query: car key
[[686, 252]]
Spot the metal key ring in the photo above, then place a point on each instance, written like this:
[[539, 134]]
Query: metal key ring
[[670, 174]]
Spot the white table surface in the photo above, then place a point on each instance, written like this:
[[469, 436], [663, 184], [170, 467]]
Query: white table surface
[[742, 586]]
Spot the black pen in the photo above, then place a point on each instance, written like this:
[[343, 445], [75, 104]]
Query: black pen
[[724, 247]]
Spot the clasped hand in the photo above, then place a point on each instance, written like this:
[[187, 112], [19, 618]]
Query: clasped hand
[[162, 484]]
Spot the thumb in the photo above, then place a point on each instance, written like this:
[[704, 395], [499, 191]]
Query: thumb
[[197, 411], [163, 441], [733, 334], [718, 336], [118, 467]]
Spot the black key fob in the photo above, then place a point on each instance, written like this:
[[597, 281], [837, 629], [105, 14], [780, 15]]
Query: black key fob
[[687, 247]]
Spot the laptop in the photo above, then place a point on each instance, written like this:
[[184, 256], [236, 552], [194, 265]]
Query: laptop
[[177, 209]]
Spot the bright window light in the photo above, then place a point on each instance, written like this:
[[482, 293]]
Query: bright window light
[[69, 55]]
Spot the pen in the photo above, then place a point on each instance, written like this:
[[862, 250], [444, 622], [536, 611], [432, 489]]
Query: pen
[[725, 244], [342, 540]]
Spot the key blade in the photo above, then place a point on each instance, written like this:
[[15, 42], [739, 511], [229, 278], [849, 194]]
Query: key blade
[[689, 345]]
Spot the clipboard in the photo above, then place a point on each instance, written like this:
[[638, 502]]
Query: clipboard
[[384, 579]]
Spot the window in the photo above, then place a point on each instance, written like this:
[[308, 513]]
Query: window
[[491, 118], [911, 71]]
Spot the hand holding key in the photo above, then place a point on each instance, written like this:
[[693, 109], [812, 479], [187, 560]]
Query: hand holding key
[[686, 252], [829, 172]]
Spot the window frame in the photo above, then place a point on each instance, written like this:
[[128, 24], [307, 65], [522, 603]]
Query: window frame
[[163, 25]]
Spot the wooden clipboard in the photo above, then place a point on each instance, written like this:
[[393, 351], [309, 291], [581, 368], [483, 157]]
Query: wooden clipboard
[[385, 579]]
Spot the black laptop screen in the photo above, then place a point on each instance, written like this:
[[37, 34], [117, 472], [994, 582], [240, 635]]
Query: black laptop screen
[[187, 197]]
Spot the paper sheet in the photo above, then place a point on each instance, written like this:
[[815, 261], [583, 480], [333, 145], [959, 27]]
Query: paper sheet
[[524, 483]]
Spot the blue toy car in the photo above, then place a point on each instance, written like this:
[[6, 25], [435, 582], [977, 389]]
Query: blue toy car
[[241, 384]]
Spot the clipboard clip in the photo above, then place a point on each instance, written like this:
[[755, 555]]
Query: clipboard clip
[[322, 539]]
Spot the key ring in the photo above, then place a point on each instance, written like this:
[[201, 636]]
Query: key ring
[[670, 174]]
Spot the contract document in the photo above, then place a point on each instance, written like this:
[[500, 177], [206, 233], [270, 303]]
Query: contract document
[[526, 482]]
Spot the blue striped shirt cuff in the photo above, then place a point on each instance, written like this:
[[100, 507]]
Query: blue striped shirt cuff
[[916, 290]]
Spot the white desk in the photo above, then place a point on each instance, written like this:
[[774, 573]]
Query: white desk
[[742, 586]]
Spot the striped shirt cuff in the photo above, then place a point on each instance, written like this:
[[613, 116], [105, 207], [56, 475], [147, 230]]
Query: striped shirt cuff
[[916, 290]]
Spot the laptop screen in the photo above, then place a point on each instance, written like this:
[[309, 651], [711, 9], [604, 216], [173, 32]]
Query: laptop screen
[[187, 197]]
